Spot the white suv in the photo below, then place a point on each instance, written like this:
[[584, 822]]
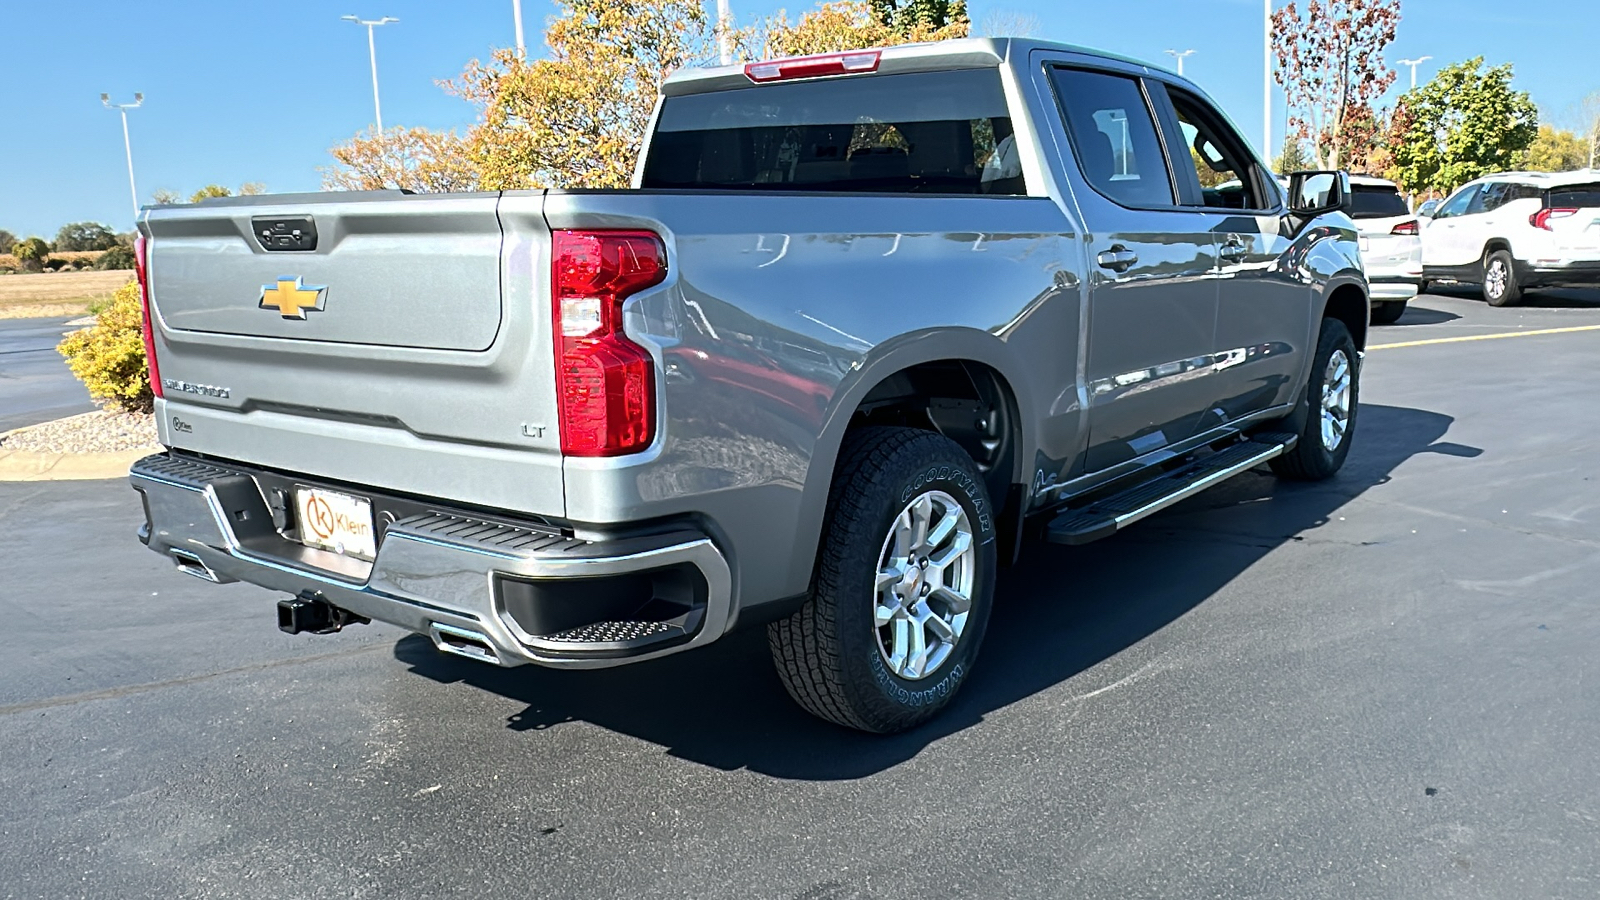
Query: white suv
[[1391, 250], [1515, 231]]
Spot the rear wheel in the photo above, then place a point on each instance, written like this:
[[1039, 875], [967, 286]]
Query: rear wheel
[[1500, 286], [1388, 312], [1333, 394], [903, 587]]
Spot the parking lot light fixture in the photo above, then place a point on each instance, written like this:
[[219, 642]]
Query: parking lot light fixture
[[1413, 63], [372, 52], [127, 145], [1179, 55]]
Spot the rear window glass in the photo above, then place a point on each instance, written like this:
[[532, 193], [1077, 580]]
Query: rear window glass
[[1376, 203], [1577, 196], [926, 132]]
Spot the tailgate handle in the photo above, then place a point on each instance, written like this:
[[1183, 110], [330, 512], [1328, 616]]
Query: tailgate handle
[[285, 232]]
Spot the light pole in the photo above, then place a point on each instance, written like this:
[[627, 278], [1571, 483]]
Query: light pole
[[1179, 55], [1413, 63], [516, 12], [724, 40], [1266, 80], [127, 146], [372, 51]]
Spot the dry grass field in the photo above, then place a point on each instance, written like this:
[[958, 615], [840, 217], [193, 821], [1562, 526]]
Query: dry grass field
[[57, 293]]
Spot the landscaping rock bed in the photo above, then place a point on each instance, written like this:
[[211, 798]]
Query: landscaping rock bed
[[95, 432]]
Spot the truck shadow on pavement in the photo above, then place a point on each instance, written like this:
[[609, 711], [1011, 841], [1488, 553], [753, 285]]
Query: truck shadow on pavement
[[1417, 315], [1534, 298], [1060, 612]]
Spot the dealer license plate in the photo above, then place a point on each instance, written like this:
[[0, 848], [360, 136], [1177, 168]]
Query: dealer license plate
[[333, 521]]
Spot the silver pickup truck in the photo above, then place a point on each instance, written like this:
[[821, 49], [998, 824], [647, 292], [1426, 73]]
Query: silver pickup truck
[[866, 322]]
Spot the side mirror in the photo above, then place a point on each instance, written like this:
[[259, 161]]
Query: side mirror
[[1316, 193], [1428, 209]]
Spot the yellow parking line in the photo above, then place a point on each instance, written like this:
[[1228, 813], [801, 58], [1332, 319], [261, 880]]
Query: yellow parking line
[[1485, 337]]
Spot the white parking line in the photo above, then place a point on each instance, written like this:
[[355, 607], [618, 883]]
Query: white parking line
[[1485, 337]]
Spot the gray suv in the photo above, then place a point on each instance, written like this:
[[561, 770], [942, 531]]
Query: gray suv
[[865, 323]]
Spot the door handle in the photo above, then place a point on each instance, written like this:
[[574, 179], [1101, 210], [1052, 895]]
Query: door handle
[[1117, 259], [1233, 247]]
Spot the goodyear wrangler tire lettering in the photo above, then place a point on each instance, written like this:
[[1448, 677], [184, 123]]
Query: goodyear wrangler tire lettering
[[846, 656]]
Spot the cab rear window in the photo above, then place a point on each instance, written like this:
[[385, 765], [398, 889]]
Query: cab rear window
[[926, 132], [1376, 203], [1577, 196]]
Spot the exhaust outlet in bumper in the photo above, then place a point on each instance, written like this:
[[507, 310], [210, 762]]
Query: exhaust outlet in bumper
[[463, 642], [190, 564]]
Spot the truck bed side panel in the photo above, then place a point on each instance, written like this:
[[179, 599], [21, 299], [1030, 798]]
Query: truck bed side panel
[[779, 306]]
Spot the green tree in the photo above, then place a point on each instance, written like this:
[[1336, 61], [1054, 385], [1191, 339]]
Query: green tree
[[6, 240], [1556, 150], [118, 257], [1464, 123], [1293, 158], [32, 254], [84, 236], [910, 16], [209, 191]]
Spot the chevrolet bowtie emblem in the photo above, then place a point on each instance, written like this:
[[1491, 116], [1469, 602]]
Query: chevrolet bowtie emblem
[[292, 298]]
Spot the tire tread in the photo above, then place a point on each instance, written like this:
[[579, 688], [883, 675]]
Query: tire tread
[[805, 646]]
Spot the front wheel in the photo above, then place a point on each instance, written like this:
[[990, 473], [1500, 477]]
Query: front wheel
[[1388, 312], [1333, 394], [905, 578], [1500, 286]]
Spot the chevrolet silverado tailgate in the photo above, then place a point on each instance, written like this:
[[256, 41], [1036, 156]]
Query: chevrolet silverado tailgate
[[408, 348]]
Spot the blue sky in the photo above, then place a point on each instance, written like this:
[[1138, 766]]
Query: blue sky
[[239, 92]]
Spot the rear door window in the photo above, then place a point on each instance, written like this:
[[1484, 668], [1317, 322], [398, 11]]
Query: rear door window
[[1488, 198], [925, 132], [1376, 202], [1114, 137]]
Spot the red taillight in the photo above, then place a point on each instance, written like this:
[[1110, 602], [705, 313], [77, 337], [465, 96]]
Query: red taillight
[[847, 63], [147, 325], [1406, 228], [605, 383], [1541, 219]]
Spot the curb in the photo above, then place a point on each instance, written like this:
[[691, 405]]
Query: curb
[[30, 465]]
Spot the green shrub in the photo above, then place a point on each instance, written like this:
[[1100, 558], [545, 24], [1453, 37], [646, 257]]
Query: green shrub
[[32, 253], [118, 257], [55, 264], [108, 356]]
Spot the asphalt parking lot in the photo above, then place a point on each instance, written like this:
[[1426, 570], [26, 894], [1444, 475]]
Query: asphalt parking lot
[[1379, 686], [35, 386]]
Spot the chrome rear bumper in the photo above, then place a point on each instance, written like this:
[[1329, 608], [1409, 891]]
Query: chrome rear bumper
[[439, 573]]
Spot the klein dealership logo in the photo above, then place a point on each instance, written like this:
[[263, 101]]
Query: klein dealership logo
[[291, 297]]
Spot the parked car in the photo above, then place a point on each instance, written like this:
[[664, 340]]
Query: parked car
[[1517, 231], [867, 321], [1391, 246]]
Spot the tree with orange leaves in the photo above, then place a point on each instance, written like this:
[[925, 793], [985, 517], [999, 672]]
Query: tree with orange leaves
[[1331, 66]]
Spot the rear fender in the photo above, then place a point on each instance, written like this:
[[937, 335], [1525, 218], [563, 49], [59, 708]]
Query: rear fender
[[885, 360]]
